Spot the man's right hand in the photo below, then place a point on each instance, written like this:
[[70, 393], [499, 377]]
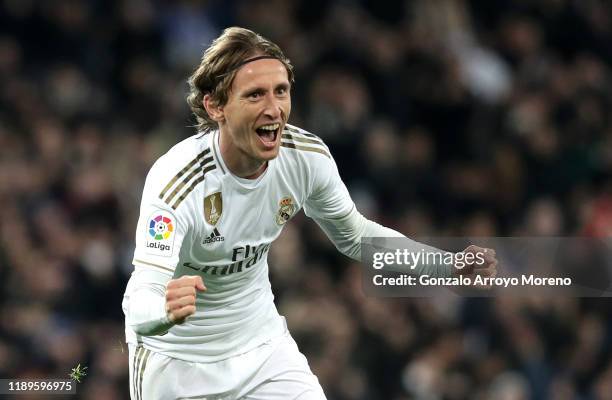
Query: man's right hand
[[181, 297]]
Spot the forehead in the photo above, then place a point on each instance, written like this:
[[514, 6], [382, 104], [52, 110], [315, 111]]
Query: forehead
[[260, 73]]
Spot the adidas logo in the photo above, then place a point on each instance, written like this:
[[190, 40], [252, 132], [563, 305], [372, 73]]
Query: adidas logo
[[215, 236]]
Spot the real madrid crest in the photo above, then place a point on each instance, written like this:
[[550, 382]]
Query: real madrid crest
[[213, 207], [286, 210]]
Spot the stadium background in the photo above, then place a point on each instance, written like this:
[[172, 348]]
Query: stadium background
[[446, 117]]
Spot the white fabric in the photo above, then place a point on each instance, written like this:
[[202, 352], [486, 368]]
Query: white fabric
[[237, 312], [147, 308], [275, 370], [346, 234]]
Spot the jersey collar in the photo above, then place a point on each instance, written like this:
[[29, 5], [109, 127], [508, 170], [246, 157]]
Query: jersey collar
[[241, 182]]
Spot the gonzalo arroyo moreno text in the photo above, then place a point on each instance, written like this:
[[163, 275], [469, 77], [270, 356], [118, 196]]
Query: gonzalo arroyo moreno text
[[411, 260]]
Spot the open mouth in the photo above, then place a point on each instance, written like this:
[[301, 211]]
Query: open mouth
[[268, 133]]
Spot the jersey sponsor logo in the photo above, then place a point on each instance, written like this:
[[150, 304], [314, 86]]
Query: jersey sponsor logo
[[243, 258], [285, 211], [215, 236], [213, 207], [160, 234]]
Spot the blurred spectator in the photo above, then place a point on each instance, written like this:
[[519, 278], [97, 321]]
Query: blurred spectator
[[450, 117]]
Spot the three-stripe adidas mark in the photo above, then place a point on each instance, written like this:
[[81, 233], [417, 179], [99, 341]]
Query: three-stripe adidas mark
[[215, 236], [192, 174], [293, 138], [140, 363]]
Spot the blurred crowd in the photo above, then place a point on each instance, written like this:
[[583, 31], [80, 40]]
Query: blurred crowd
[[446, 117]]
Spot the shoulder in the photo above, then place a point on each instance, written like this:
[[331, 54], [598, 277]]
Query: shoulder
[[305, 155], [297, 142], [176, 174]]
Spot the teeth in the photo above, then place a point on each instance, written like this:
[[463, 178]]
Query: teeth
[[272, 127]]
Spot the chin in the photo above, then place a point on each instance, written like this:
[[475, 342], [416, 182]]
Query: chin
[[271, 154], [267, 154]]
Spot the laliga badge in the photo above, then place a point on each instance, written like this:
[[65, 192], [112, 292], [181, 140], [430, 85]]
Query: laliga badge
[[160, 234], [286, 210]]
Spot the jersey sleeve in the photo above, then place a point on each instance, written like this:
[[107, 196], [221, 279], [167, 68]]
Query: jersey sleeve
[[161, 230], [329, 198]]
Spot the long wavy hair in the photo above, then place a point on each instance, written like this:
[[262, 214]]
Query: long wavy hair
[[216, 72]]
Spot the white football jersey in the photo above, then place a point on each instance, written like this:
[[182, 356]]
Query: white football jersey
[[197, 218]]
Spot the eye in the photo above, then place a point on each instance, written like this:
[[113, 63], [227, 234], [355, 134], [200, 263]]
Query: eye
[[254, 95], [282, 91]]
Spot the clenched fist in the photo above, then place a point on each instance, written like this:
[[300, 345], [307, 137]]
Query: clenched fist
[[484, 264], [181, 297]]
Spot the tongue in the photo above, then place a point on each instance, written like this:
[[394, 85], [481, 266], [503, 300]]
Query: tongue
[[267, 136]]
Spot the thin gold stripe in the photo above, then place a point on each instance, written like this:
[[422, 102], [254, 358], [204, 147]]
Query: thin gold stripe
[[304, 148], [182, 172], [186, 192], [152, 265], [134, 372], [299, 139], [294, 130], [190, 189], [142, 370], [137, 357], [140, 360], [187, 179]]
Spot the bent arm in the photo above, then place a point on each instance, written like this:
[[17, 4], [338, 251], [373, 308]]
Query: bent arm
[[145, 303], [330, 205], [346, 234]]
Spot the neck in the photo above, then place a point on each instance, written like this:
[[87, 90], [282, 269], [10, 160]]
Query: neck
[[239, 163]]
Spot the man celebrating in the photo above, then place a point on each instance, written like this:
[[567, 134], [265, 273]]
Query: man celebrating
[[200, 317]]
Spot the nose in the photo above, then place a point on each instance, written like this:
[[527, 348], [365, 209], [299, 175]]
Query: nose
[[272, 107]]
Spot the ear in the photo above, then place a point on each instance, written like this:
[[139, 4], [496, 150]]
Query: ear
[[214, 110]]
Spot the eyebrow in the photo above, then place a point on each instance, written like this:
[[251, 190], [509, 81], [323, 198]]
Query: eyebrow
[[255, 89], [250, 91]]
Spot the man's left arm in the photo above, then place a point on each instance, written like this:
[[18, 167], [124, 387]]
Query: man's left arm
[[332, 208]]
